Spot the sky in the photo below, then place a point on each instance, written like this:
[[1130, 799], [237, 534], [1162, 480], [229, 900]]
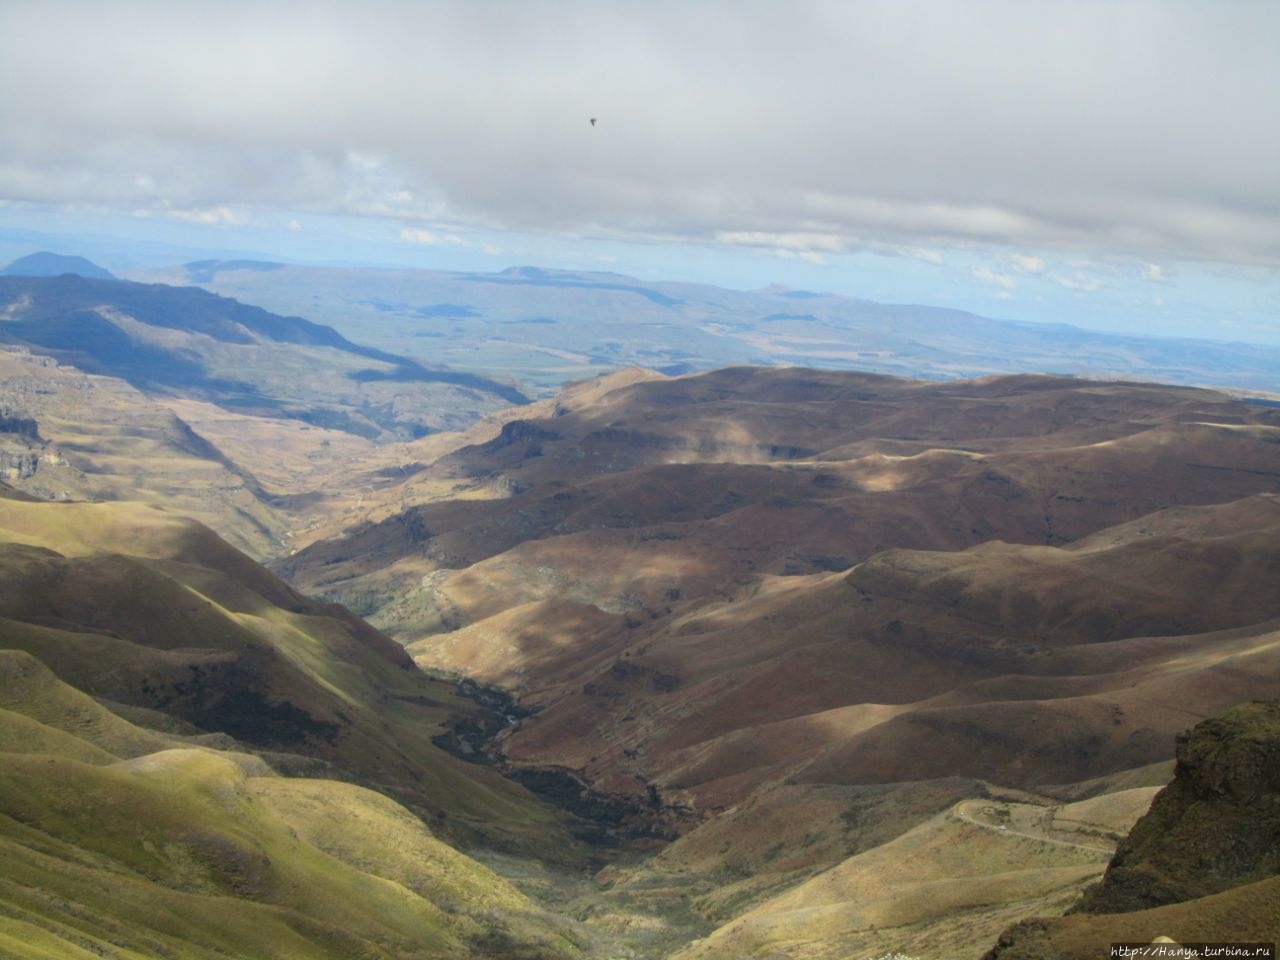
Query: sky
[[1109, 163]]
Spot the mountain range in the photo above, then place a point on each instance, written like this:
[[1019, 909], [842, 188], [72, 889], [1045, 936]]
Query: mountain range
[[545, 327], [761, 661], [185, 340]]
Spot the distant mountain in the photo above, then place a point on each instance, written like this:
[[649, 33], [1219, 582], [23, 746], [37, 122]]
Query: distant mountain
[[544, 327], [187, 341], [53, 265]]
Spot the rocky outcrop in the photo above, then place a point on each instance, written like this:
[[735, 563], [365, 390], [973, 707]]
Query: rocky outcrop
[[1204, 859], [21, 447], [1216, 826], [16, 423]]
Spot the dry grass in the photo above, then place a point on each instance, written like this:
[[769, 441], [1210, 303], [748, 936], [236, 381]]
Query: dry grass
[[189, 852], [946, 887]]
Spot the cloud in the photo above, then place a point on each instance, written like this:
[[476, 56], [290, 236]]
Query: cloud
[[987, 275], [1025, 263], [991, 122], [410, 235], [211, 215], [1081, 283], [808, 256], [793, 242], [815, 247], [807, 247], [431, 239], [923, 254]]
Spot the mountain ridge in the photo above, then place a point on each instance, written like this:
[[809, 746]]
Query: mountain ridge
[[544, 327], [122, 328], [45, 264]]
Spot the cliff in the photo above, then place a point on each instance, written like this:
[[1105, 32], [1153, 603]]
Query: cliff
[[1202, 865]]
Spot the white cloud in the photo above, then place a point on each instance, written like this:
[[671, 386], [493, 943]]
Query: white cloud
[[808, 256], [986, 275], [412, 235], [431, 239], [1080, 283], [836, 127], [211, 215], [794, 242], [923, 254], [1154, 273], [295, 225], [1025, 263]]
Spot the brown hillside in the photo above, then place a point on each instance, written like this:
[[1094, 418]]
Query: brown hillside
[[1029, 562], [698, 481], [916, 666]]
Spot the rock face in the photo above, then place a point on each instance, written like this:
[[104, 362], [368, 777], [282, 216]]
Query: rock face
[[20, 445], [1204, 863], [1216, 826]]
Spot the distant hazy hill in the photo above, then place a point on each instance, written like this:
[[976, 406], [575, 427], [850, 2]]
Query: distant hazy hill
[[53, 265], [545, 327], [185, 341]]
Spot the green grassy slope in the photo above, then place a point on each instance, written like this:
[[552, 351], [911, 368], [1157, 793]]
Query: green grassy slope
[[187, 626], [190, 852]]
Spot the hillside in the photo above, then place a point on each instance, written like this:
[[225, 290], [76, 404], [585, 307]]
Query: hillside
[[118, 841], [814, 664], [787, 617], [111, 390], [186, 342], [155, 614], [67, 435], [189, 748]]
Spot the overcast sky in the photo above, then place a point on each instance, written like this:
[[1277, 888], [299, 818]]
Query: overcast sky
[[1112, 163]]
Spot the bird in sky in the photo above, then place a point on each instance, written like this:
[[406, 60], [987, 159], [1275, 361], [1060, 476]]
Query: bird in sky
[[593, 121]]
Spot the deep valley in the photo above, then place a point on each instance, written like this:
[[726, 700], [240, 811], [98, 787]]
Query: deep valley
[[316, 649]]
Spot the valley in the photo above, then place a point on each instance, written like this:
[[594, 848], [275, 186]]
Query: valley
[[402, 660]]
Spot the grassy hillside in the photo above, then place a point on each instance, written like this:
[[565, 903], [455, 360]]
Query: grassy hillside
[[186, 626], [121, 842]]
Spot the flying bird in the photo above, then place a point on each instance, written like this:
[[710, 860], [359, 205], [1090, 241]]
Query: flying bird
[[593, 121]]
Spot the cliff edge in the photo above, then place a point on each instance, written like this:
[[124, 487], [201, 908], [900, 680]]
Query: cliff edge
[[1202, 865]]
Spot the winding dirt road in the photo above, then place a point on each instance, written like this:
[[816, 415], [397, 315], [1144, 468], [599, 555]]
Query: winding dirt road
[[963, 811]]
